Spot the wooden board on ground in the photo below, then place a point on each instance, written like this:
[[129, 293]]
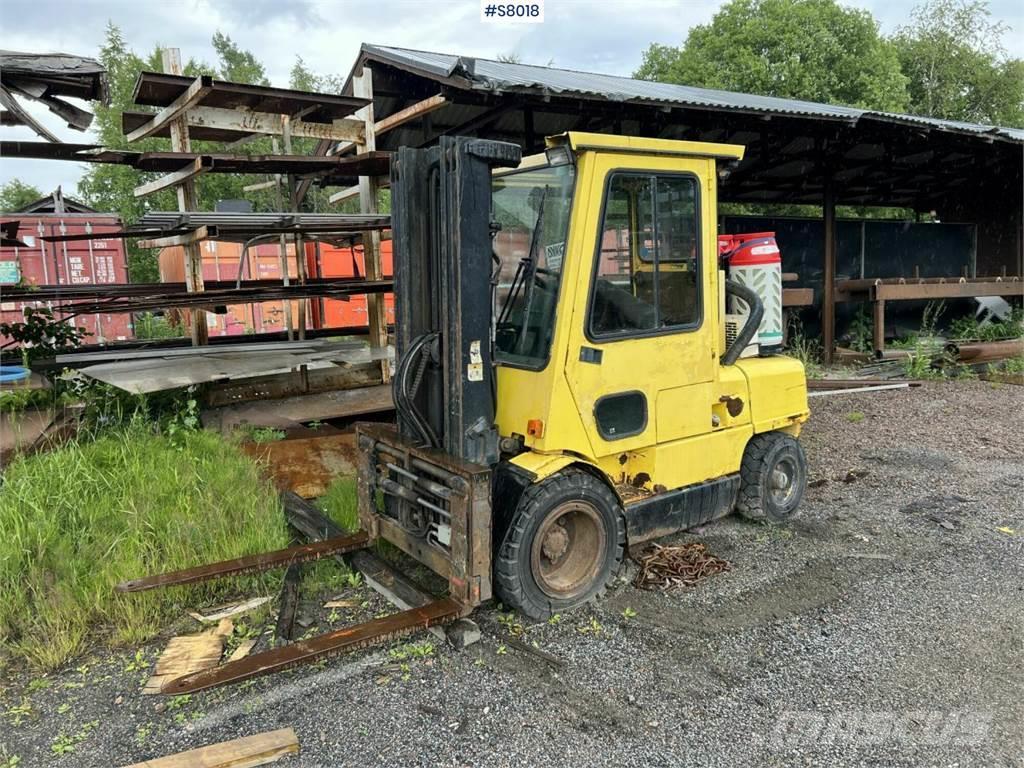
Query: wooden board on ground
[[308, 465], [189, 653], [246, 752], [326, 405]]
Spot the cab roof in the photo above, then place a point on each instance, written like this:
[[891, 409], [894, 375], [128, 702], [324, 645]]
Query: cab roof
[[603, 142]]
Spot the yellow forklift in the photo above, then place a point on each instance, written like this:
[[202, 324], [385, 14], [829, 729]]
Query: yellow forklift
[[565, 387]]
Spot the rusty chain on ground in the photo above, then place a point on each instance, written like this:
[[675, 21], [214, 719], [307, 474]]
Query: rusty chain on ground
[[683, 565]]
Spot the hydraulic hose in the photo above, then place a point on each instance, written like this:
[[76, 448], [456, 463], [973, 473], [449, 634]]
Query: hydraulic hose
[[732, 288]]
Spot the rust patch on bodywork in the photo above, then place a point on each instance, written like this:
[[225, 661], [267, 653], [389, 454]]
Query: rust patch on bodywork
[[733, 405]]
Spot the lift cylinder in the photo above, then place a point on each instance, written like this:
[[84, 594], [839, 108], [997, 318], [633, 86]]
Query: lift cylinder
[[754, 261]]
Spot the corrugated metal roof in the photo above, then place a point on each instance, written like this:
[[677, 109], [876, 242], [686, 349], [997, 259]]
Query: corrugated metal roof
[[496, 76]]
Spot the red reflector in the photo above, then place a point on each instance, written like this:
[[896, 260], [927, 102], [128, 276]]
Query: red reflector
[[535, 428]]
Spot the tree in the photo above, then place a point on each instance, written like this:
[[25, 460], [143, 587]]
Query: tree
[[236, 64], [111, 187], [816, 50], [953, 54], [16, 194]]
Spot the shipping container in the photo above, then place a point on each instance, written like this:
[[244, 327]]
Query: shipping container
[[263, 262], [324, 260], [76, 262]]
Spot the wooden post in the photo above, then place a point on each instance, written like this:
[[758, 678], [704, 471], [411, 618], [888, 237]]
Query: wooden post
[[300, 262], [362, 85], [878, 329], [188, 200], [828, 301]]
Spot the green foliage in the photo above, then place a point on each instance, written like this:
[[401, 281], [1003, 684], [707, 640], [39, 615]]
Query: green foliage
[[150, 326], [41, 335], [77, 520], [968, 328], [339, 503], [16, 194], [816, 50], [861, 331], [111, 187], [855, 417], [806, 350], [958, 69]]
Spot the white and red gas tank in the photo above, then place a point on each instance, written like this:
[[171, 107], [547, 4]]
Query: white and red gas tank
[[754, 260]]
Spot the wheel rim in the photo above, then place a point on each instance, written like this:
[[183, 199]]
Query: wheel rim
[[782, 482], [568, 550]]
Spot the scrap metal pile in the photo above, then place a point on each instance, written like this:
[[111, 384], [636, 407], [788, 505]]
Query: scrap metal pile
[[683, 565]]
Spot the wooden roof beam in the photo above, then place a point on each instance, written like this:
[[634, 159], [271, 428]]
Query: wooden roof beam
[[190, 98]]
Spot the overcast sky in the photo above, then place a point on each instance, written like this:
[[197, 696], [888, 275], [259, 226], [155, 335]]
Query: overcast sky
[[606, 36]]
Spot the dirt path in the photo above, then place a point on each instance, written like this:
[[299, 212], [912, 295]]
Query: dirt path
[[885, 627]]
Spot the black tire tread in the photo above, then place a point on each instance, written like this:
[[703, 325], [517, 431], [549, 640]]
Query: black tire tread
[[750, 502], [537, 500]]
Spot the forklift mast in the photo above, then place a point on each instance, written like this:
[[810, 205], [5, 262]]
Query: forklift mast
[[444, 383]]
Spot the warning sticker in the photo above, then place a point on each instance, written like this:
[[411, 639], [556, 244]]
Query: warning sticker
[[474, 352], [475, 372]]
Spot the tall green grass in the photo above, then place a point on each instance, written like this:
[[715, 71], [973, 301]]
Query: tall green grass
[[76, 521]]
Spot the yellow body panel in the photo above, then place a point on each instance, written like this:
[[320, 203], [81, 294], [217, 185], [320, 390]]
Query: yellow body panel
[[690, 434]]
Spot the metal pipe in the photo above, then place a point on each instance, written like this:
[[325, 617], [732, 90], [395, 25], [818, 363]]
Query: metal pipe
[[428, 485]]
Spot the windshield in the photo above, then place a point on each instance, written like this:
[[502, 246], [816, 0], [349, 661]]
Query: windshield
[[532, 208]]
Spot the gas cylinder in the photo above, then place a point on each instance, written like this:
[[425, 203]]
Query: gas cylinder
[[754, 260]]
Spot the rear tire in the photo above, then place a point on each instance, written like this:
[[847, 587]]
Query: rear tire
[[564, 546], [773, 477]]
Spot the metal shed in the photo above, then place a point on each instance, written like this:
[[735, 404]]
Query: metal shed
[[797, 151]]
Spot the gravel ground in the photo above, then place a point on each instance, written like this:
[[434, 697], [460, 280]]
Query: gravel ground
[[885, 627]]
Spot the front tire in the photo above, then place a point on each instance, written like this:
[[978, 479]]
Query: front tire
[[564, 546], [773, 477]]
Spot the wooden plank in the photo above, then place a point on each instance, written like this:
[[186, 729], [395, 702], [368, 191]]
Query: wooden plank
[[797, 297], [362, 85], [200, 233], [412, 112], [344, 194], [192, 96], [326, 405], [244, 122], [201, 164], [188, 200], [246, 752]]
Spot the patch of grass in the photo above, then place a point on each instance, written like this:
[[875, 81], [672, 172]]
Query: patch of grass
[[968, 328], [340, 503], [262, 434], [855, 417], [1010, 365], [76, 521], [806, 350], [150, 326]]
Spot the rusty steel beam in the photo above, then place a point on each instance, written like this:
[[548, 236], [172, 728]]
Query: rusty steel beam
[[249, 564], [323, 646]]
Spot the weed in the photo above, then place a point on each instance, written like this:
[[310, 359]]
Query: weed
[[501, 650], [807, 351], [594, 627], [265, 434], [142, 733], [511, 625], [861, 332], [339, 503], [19, 712], [11, 761], [63, 708], [150, 326], [77, 520], [38, 684], [968, 328], [855, 417], [137, 663], [315, 424], [412, 651], [178, 702], [629, 613], [554, 619]]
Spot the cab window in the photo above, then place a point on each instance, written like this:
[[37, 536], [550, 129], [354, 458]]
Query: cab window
[[647, 278]]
